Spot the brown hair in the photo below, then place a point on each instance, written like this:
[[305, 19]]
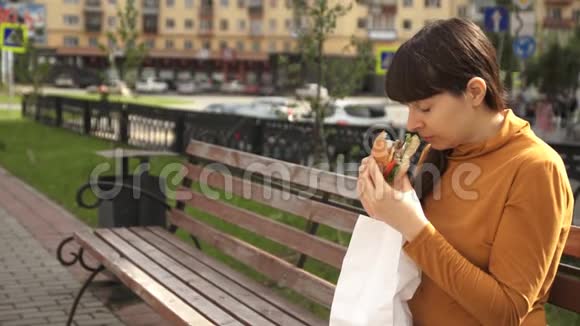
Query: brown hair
[[442, 57]]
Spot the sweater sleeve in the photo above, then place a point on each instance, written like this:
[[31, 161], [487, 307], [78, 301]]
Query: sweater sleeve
[[524, 247]]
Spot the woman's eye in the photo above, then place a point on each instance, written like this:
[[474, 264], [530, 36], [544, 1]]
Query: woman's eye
[[426, 110]]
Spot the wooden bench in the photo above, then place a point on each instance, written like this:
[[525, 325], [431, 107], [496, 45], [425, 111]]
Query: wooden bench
[[189, 287]]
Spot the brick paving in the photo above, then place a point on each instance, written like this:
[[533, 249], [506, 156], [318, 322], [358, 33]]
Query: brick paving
[[28, 265]]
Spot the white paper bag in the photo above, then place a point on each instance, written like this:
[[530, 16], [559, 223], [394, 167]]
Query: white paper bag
[[377, 278]]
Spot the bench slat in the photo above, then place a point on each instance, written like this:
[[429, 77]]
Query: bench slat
[[244, 296], [572, 247], [254, 287], [182, 290], [565, 292], [333, 183], [321, 249], [275, 268], [156, 295], [338, 218], [210, 291]]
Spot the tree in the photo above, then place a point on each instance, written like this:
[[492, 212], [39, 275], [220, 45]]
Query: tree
[[29, 69], [557, 70], [126, 40], [316, 21]]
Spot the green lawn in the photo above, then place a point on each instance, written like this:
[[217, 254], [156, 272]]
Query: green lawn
[[57, 162], [139, 99], [5, 99]]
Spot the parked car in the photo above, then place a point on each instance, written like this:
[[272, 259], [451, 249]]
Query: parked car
[[310, 90], [354, 113], [232, 87], [220, 108], [151, 85], [116, 87], [285, 108], [252, 89], [267, 90], [254, 110], [64, 80], [187, 87]]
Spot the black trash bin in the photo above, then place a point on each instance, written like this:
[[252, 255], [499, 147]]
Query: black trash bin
[[128, 201]]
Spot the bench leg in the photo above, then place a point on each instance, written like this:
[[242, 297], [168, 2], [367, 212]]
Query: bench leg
[[80, 294]]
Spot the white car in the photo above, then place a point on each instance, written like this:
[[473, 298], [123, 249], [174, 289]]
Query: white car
[[151, 85], [353, 112], [187, 87], [310, 90], [285, 108], [64, 80], [234, 86]]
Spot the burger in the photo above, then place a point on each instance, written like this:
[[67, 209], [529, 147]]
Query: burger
[[394, 157]]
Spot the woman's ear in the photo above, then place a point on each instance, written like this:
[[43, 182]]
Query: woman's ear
[[476, 90]]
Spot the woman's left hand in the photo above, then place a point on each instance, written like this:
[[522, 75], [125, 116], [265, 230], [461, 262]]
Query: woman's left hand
[[394, 205]]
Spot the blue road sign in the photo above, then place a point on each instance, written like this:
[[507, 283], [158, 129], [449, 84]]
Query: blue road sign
[[524, 46], [496, 19], [384, 57]]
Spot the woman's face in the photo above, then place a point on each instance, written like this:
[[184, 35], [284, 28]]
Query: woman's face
[[443, 120]]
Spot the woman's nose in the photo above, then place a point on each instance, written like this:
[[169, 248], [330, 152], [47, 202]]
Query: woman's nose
[[413, 122]]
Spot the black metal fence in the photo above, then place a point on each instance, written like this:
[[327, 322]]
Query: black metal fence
[[157, 128], [166, 129]]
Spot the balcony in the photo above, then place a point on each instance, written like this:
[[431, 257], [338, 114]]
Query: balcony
[[206, 9], [93, 22], [256, 8], [559, 2], [93, 6], [384, 3], [150, 7], [150, 24], [558, 23], [383, 34], [206, 28]]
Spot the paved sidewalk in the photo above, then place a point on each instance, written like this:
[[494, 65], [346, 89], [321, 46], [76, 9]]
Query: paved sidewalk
[[35, 289], [46, 224]]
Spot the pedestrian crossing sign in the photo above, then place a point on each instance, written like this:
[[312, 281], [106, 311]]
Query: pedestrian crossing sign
[[384, 55], [14, 37]]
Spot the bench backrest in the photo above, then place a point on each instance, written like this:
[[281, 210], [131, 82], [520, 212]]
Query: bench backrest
[[316, 196], [565, 291], [312, 196]]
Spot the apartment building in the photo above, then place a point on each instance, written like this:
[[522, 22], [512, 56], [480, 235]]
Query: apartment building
[[556, 20]]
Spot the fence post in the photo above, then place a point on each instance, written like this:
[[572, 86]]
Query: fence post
[[58, 107], [258, 137], [124, 124], [23, 105], [87, 118], [178, 144], [37, 107]]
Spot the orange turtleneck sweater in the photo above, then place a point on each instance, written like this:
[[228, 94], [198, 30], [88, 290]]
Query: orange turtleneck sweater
[[499, 219]]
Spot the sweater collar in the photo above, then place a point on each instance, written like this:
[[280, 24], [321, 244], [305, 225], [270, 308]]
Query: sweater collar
[[511, 126]]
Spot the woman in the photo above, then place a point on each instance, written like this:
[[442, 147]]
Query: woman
[[497, 204]]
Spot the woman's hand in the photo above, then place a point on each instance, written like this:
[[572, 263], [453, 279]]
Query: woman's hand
[[395, 205]]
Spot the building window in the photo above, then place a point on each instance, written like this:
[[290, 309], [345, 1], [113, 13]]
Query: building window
[[71, 41], [223, 25], [273, 3], [112, 21], [169, 44], [188, 24], [150, 24], [242, 24], [112, 2], [361, 23], [241, 4], [224, 3], [272, 25], [150, 43], [554, 13], [432, 3], [207, 45], [272, 46], [288, 24], [170, 23], [223, 45], [407, 24], [256, 46], [72, 2], [576, 16], [169, 3], [256, 27], [188, 4], [462, 11], [240, 46], [407, 3], [205, 25], [188, 45], [428, 21], [71, 20], [93, 42]]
